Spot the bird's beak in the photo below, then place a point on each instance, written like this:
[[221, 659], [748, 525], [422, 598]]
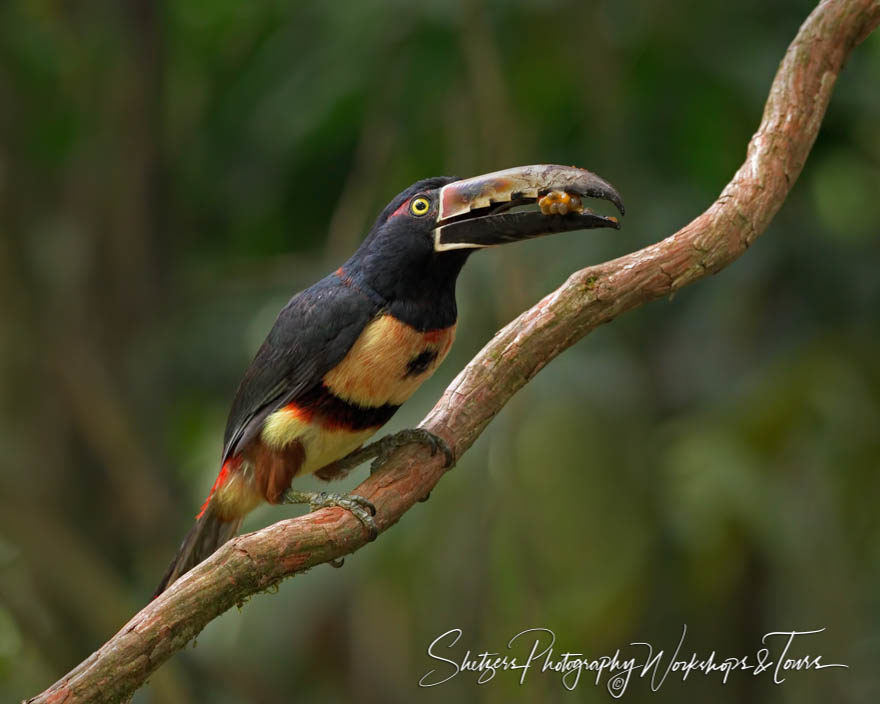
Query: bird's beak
[[474, 213]]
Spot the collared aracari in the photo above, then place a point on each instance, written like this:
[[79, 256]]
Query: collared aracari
[[345, 353]]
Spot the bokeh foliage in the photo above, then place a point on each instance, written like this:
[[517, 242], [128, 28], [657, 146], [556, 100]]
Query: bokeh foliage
[[171, 172]]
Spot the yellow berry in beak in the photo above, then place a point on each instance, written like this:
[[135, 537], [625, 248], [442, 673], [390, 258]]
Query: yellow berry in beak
[[560, 203]]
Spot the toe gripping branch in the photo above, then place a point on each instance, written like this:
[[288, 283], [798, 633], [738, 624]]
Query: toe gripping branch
[[362, 508], [410, 436], [379, 452]]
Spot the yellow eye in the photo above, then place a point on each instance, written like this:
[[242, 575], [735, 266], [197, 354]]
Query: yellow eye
[[419, 206]]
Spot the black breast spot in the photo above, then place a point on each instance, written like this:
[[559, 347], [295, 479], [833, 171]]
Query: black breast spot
[[419, 365]]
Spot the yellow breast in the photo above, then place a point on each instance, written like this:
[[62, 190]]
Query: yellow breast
[[384, 367], [388, 362]]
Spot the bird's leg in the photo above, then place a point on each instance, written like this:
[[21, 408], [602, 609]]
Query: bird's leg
[[358, 505], [378, 451]]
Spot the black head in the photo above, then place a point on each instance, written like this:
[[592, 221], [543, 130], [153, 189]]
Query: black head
[[415, 250], [397, 259]]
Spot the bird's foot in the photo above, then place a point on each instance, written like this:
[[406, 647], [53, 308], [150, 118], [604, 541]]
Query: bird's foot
[[378, 452], [358, 505], [385, 446]]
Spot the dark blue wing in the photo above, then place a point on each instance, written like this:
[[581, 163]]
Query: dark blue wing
[[312, 334]]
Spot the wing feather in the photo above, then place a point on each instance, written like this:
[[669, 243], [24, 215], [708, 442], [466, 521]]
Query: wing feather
[[312, 334]]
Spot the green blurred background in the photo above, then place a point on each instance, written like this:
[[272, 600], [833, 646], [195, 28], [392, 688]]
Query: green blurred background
[[170, 173]]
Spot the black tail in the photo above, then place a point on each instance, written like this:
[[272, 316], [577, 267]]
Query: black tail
[[208, 534]]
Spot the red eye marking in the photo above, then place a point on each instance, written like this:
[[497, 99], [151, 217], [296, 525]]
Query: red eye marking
[[402, 208]]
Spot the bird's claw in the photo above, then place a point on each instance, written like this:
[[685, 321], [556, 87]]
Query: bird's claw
[[407, 437], [362, 508]]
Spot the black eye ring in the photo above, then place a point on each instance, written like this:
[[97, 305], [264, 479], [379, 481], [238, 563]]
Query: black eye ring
[[420, 206]]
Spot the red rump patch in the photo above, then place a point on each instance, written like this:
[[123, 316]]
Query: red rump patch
[[228, 466]]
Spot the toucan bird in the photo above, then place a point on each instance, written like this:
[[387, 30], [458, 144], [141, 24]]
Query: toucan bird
[[345, 353]]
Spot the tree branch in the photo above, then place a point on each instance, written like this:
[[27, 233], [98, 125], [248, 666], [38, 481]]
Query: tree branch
[[251, 563]]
